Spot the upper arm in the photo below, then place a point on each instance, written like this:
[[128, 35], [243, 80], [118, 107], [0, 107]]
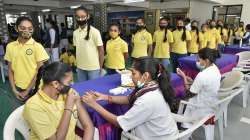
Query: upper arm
[[8, 57], [134, 116], [98, 38], [170, 37], [40, 54], [39, 121], [197, 84], [149, 39], [125, 47]]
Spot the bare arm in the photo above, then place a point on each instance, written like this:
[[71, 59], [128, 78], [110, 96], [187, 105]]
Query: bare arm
[[85, 121], [150, 50], [11, 78], [101, 56], [125, 57], [188, 44]]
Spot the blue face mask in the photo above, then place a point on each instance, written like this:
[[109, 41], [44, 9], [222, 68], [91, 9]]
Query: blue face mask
[[199, 66]]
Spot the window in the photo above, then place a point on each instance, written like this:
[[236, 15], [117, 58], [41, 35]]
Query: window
[[230, 14]]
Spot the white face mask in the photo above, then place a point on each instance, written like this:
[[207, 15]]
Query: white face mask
[[199, 66]]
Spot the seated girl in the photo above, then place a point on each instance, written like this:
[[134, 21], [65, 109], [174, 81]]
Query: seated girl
[[205, 86], [53, 111], [149, 115]]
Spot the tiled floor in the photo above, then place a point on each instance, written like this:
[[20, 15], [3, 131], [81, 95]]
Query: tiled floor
[[236, 130]]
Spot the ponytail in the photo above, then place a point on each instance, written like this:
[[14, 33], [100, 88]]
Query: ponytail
[[88, 30], [38, 79], [163, 78], [197, 33], [184, 36], [165, 35]]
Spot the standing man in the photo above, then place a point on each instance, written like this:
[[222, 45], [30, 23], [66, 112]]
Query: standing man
[[89, 47], [25, 56]]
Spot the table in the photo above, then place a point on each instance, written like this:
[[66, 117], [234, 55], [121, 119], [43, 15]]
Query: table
[[225, 64], [103, 85], [234, 49]]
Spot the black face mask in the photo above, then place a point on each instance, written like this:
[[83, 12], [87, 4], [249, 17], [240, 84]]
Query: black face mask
[[193, 27], [179, 27], [163, 27], [140, 27], [212, 26], [241, 25], [65, 89], [81, 22]]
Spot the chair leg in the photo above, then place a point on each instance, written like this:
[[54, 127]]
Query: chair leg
[[225, 117], [245, 96], [209, 132], [220, 120]]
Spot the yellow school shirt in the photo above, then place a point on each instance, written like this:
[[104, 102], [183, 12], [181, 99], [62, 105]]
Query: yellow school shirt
[[225, 35], [179, 46], [215, 38], [115, 53], [161, 49], [87, 56], [205, 38], [240, 31], [24, 59], [43, 115], [72, 60], [141, 41], [194, 46], [64, 58]]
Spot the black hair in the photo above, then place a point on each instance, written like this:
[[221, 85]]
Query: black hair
[[23, 18], [140, 18], [184, 36], [165, 30], [210, 54], [187, 20], [82, 8], [52, 72], [159, 74], [63, 50], [197, 31], [248, 26], [218, 26], [62, 25], [115, 24]]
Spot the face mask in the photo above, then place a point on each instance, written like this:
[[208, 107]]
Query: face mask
[[81, 22], [163, 27], [113, 34], [212, 26], [25, 35], [179, 27], [140, 27], [65, 89], [193, 27], [199, 66]]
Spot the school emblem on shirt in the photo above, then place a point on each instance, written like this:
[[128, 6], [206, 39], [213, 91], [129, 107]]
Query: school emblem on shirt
[[143, 39], [29, 51]]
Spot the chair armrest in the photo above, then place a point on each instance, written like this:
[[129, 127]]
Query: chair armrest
[[188, 103], [181, 118]]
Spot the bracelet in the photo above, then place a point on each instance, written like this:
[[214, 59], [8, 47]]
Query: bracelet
[[65, 109], [109, 99]]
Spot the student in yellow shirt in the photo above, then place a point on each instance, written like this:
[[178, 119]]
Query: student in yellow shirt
[[239, 33], [220, 27], [215, 37], [196, 39], [52, 113], [205, 35], [182, 39], [24, 57], [227, 34], [72, 60], [64, 57], [162, 40], [141, 40], [117, 50], [89, 47]]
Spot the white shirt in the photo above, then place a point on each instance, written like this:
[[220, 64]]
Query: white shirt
[[150, 117], [52, 34], [188, 27]]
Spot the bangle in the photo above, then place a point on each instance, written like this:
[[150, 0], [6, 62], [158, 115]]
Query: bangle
[[68, 110], [109, 99]]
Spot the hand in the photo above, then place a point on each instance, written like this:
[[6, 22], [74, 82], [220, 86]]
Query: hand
[[24, 94], [89, 99], [71, 100], [180, 72], [17, 94], [98, 96]]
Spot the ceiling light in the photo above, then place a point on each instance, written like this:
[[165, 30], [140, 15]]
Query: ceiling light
[[46, 10], [131, 1]]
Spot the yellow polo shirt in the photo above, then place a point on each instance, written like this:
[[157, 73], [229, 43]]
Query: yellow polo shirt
[[24, 59], [180, 47], [194, 46], [43, 115], [215, 38], [205, 38], [141, 41], [64, 58], [72, 60], [161, 49], [87, 56], [115, 53], [241, 31]]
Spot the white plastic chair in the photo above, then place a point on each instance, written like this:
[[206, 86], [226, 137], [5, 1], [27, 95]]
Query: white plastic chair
[[185, 135], [243, 62], [219, 108], [16, 122]]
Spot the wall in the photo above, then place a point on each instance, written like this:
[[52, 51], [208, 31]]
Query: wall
[[201, 11]]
